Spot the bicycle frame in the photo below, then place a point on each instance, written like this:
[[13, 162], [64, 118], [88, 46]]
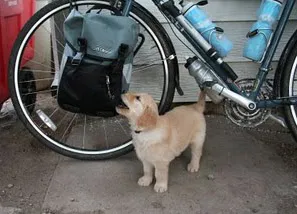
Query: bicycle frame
[[221, 68]]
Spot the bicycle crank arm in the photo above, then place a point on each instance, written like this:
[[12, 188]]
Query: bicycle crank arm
[[240, 100]]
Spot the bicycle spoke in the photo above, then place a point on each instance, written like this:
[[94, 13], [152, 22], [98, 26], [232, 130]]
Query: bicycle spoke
[[62, 46], [38, 71], [61, 121], [144, 68], [38, 80], [137, 83], [84, 135], [41, 101], [38, 63], [144, 60], [56, 27], [37, 53], [43, 48], [52, 114], [105, 134], [122, 127], [64, 15], [40, 92], [73, 118]]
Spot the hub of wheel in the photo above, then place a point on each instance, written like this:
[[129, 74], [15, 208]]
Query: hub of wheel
[[243, 117]]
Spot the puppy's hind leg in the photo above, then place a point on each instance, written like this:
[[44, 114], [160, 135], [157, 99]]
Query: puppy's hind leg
[[147, 178], [196, 151]]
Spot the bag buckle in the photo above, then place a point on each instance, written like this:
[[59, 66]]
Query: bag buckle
[[123, 50], [76, 60], [252, 33], [220, 30], [82, 43]]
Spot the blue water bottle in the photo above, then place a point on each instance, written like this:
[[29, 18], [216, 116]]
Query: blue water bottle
[[213, 34], [261, 31]]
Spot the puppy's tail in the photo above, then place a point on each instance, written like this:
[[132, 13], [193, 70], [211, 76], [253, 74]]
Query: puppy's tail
[[200, 105]]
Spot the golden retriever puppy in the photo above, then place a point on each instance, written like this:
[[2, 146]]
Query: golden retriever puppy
[[159, 139]]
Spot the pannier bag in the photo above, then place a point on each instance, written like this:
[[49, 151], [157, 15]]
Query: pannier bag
[[98, 47]]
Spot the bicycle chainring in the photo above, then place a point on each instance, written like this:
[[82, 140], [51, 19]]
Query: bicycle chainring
[[243, 117]]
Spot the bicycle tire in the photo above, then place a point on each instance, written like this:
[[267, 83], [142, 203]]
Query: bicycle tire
[[286, 90]]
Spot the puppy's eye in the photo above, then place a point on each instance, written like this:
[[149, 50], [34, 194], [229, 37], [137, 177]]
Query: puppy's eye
[[138, 98]]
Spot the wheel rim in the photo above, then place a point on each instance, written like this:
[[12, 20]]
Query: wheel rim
[[56, 143], [291, 89]]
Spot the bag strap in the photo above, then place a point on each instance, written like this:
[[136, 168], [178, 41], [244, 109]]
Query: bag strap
[[123, 51], [117, 66], [122, 54], [72, 5], [83, 44]]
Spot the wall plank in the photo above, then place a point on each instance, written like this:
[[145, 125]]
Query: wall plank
[[221, 10], [236, 32], [150, 80]]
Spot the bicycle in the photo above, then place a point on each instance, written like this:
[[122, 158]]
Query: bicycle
[[247, 105]]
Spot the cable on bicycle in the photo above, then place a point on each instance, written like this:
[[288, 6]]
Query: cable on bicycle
[[170, 25]]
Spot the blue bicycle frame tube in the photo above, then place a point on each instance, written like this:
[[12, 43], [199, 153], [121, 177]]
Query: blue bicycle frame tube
[[276, 103], [127, 7]]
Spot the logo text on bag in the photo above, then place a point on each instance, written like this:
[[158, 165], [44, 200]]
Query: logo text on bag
[[102, 50]]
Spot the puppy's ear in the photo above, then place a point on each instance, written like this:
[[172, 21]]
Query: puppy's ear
[[148, 119]]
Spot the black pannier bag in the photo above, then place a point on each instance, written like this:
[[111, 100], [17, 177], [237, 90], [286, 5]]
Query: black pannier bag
[[98, 46]]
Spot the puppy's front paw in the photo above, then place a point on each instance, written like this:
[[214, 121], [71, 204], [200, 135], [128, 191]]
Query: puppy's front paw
[[160, 187], [193, 167], [145, 181]]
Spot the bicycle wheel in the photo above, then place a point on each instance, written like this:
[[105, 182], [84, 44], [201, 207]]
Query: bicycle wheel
[[288, 86], [77, 135]]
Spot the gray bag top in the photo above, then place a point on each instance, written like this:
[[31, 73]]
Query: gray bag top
[[104, 33]]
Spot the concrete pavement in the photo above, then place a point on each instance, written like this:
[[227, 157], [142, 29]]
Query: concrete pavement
[[239, 174], [242, 171]]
